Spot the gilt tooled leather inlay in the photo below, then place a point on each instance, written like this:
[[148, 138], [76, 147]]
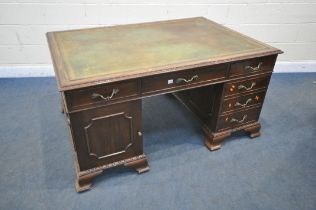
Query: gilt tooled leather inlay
[[106, 51]]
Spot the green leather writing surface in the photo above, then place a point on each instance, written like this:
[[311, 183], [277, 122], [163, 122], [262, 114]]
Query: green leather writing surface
[[115, 50]]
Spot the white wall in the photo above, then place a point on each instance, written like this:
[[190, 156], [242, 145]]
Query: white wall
[[286, 24]]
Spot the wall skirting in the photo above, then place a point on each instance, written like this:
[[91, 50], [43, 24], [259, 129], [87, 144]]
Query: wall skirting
[[299, 66], [26, 71], [47, 70]]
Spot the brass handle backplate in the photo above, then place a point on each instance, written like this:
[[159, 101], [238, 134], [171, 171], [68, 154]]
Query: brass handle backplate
[[239, 121], [106, 98], [243, 105], [256, 68], [181, 80], [246, 88]]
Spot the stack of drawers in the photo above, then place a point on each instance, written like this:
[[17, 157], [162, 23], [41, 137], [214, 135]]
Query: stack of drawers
[[243, 98]]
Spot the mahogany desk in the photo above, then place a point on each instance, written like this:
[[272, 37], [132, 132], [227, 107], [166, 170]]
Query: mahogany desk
[[103, 74]]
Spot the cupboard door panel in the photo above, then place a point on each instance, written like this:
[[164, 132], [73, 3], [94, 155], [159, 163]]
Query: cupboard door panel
[[107, 134]]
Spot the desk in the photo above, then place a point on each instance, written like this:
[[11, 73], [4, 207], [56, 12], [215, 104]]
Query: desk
[[103, 73]]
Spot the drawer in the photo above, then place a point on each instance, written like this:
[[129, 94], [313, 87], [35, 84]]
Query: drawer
[[244, 101], [252, 66], [101, 94], [243, 86], [182, 79], [238, 118]]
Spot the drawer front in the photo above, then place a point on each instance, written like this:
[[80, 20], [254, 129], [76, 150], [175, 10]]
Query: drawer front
[[244, 86], [252, 66], [182, 79], [242, 102], [101, 94], [238, 118]]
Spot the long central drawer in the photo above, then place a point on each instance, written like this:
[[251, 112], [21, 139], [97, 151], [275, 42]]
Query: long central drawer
[[180, 80]]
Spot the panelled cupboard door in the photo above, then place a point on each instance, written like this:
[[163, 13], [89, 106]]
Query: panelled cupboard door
[[107, 134]]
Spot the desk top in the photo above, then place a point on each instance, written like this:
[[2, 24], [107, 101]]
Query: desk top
[[101, 55]]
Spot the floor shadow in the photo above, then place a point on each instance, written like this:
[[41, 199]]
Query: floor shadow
[[166, 123]]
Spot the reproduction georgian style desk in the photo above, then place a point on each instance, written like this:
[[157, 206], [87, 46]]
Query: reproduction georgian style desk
[[103, 73]]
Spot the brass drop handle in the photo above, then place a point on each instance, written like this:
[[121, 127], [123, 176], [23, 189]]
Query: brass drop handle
[[239, 121], [257, 68], [246, 88], [180, 80], [245, 104], [106, 98]]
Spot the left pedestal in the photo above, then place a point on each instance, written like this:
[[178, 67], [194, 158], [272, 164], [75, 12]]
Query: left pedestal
[[105, 137]]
